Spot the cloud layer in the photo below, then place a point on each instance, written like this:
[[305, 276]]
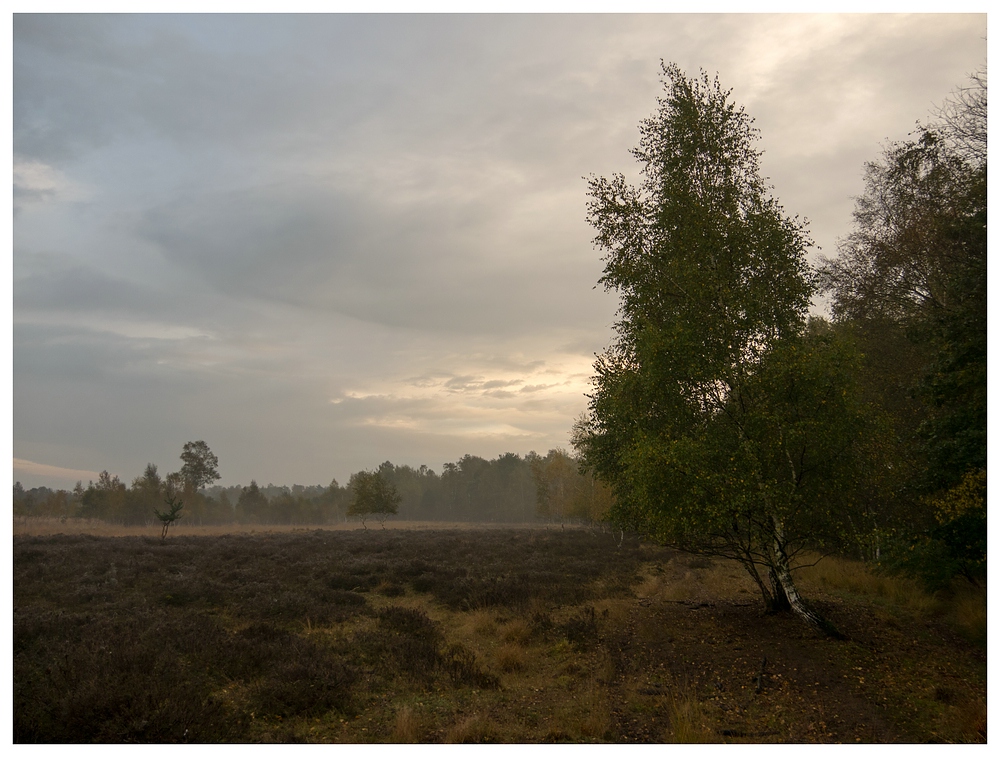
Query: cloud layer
[[320, 242]]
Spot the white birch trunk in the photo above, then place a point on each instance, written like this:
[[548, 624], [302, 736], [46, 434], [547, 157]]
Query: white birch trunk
[[783, 572]]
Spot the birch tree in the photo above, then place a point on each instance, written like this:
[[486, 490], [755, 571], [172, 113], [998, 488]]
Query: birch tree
[[722, 423]]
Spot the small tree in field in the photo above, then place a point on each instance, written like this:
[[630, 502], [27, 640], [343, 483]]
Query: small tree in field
[[172, 515], [372, 495]]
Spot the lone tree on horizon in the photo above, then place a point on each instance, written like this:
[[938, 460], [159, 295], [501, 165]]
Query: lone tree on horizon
[[201, 466], [372, 495]]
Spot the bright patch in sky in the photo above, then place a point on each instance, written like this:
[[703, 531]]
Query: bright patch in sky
[[28, 468]]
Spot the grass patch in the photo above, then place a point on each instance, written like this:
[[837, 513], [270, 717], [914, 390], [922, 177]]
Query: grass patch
[[966, 608], [852, 577], [473, 729], [408, 727], [688, 724]]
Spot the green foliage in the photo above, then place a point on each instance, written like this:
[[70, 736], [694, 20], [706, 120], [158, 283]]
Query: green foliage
[[955, 545], [252, 505], [565, 492], [372, 495], [911, 281], [201, 466], [722, 424], [105, 499], [145, 494], [916, 262], [172, 515], [44, 502], [476, 489]]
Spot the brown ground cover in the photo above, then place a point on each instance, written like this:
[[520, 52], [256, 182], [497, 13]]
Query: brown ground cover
[[470, 635]]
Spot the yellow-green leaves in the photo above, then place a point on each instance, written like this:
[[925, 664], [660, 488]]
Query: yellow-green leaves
[[713, 415]]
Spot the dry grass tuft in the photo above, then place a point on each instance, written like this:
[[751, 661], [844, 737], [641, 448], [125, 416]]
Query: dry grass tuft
[[596, 722], [699, 579], [516, 631], [510, 658], [482, 623], [688, 724], [408, 728], [962, 605], [474, 729], [968, 609], [727, 579], [973, 725], [657, 586]]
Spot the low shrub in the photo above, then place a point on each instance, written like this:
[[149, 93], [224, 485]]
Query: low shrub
[[309, 684], [581, 629], [405, 641], [118, 680], [462, 666]]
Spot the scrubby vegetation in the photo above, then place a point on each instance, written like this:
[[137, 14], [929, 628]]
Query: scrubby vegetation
[[526, 635]]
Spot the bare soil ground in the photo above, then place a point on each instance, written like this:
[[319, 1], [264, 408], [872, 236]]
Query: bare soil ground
[[513, 635], [768, 678]]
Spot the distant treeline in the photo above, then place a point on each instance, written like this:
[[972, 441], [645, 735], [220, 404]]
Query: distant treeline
[[508, 489]]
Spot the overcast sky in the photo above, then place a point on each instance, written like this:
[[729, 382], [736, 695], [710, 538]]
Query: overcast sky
[[321, 242]]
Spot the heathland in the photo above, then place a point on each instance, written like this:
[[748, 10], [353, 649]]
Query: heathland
[[501, 634]]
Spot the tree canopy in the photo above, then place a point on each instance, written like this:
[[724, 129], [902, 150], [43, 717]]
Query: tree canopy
[[372, 495], [201, 466], [910, 283], [721, 422], [565, 492]]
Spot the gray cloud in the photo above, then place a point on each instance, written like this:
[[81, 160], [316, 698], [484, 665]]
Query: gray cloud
[[320, 242], [417, 266], [58, 282]]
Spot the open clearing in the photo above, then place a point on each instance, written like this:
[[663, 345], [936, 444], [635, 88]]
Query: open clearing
[[469, 635]]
